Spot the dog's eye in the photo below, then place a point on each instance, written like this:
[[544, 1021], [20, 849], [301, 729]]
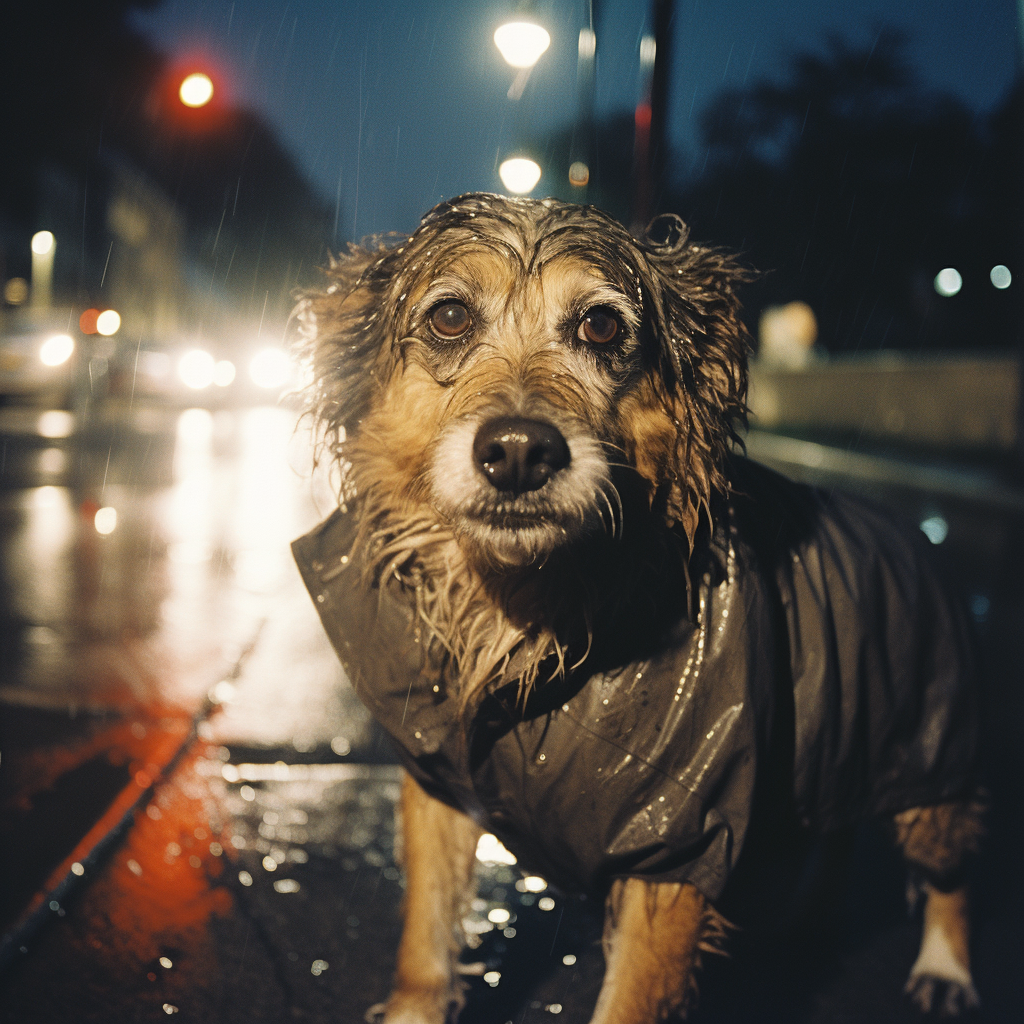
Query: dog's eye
[[450, 319], [598, 327]]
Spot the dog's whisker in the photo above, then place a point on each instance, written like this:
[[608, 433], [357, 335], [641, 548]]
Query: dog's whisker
[[611, 527], [618, 504]]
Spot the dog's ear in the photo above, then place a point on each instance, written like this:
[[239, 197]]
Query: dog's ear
[[343, 338], [700, 349]]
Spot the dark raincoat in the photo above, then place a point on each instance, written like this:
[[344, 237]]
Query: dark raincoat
[[820, 666]]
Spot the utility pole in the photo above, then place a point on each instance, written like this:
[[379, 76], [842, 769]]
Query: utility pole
[[650, 150], [581, 146]]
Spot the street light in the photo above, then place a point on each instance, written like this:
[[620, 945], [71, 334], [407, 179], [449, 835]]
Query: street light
[[270, 368], [521, 43], [108, 322], [196, 90], [519, 174], [197, 368], [43, 246], [57, 350]]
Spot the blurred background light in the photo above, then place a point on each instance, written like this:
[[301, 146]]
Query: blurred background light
[[519, 174], [935, 528], [196, 90], [108, 322], [196, 369], [1000, 276], [57, 350], [16, 291], [87, 321], [521, 43], [489, 850], [579, 174], [948, 282], [223, 373], [587, 45], [105, 520], [42, 242], [55, 423], [270, 368]]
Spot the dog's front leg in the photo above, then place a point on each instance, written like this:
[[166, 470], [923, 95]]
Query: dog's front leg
[[652, 939], [438, 853]]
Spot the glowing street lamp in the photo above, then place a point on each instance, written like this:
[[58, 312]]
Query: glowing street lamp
[[57, 350], [519, 174], [108, 322], [521, 43], [196, 90], [43, 246], [197, 369], [270, 368], [43, 243]]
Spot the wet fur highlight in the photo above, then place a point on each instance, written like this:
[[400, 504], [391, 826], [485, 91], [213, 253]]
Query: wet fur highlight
[[675, 395]]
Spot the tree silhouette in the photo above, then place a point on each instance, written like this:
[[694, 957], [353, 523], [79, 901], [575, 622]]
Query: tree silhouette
[[853, 187]]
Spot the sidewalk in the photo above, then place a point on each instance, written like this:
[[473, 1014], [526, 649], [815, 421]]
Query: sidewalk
[[188, 777]]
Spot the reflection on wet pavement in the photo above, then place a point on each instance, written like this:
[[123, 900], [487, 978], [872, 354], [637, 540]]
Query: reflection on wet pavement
[[258, 879]]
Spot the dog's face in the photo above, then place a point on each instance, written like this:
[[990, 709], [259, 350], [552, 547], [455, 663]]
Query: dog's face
[[509, 367]]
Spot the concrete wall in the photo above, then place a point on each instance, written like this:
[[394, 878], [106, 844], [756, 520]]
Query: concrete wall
[[950, 402]]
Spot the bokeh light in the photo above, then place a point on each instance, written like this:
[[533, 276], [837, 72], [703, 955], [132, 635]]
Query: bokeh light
[[16, 291], [87, 321], [270, 368], [935, 528], [948, 282], [579, 174], [196, 369], [42, 242], [223, 373], [521, 43], [57, 350], [105, 520], [108, 322], [519, 174], [489, 850], [196, 90], [1000, 276]]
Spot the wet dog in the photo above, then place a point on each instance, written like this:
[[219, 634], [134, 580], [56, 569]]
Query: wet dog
[[589, 625]]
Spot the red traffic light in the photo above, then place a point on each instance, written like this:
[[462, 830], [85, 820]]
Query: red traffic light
[[196, 89]]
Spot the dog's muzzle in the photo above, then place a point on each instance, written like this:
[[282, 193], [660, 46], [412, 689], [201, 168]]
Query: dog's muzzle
[[517, 455], [517, 486]]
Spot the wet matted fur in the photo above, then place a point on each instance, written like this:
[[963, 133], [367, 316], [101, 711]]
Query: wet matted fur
[[649, 428], [531, 412]]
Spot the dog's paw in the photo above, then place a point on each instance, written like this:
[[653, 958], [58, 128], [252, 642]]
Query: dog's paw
[[946, 997], [424, 1007]]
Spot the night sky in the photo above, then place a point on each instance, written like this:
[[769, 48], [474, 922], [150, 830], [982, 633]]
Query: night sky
[[392, 106]]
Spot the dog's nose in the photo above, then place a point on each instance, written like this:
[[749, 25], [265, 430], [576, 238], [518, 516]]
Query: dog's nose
[[517, 454]]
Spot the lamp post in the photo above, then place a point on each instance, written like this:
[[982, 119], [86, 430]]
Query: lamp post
[[43, 247], [582, 137], [521, 43], [649, 151]]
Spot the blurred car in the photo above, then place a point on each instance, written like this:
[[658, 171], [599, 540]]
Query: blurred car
[[38, 366]]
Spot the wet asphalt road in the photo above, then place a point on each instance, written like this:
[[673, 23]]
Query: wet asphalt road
[[183, 761]]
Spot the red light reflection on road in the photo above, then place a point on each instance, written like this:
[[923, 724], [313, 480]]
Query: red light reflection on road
[[166, 883]]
